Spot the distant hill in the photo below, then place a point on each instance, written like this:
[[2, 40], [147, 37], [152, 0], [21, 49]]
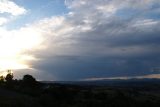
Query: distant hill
[[111, 82]]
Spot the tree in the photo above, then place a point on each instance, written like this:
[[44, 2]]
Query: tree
[[2, 79], [29, 80], [9, 76]]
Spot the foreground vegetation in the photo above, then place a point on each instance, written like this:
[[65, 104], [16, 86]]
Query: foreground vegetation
[[27, 92]]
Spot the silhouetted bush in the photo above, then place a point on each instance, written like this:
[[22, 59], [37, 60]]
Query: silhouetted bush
[[29, 80]]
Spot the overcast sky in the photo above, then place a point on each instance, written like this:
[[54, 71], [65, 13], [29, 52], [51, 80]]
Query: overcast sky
[[81, 39]]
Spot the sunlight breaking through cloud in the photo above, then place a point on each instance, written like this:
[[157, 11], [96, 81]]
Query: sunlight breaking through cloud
[[14, 46]]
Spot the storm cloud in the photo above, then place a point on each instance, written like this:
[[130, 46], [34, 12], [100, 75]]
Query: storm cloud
[[100, 38]]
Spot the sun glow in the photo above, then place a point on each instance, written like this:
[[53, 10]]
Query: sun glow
[[15, 45]]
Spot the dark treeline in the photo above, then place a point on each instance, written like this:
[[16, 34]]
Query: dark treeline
[[10, 83], [27, 92]]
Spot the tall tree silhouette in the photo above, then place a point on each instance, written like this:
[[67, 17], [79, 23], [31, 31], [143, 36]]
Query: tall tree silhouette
[[2, 79], [9, 76]]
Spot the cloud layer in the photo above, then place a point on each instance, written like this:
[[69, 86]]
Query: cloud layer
[[7, 6], [100, 39]]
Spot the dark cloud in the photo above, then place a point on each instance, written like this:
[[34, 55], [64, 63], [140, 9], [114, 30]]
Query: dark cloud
[[81, 67], [102, 39]]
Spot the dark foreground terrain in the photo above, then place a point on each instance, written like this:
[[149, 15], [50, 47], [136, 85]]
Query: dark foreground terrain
[[26, 93]]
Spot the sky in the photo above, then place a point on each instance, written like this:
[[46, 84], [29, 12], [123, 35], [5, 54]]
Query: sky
[[80, 39]]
